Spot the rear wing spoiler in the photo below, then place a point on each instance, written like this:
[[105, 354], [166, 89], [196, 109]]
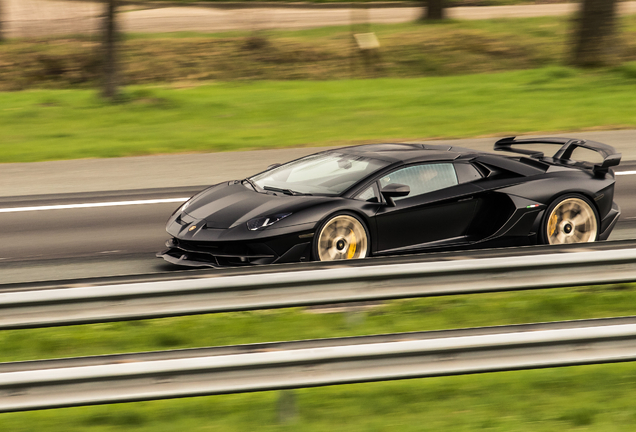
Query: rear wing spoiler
[[564, 154]]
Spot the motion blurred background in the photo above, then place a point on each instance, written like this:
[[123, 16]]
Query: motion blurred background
[[163, 85]]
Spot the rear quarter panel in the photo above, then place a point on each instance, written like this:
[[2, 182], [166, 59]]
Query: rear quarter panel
[[546, 188]]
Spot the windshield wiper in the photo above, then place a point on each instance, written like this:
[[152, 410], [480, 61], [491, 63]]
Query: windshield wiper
[[251, 183], [285, 191]]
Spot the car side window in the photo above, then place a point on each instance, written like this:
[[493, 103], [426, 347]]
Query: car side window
[[467, 173], [370, 194], [422, 178]]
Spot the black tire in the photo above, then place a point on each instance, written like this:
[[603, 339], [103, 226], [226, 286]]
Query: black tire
[[571, 218], [341, 236]]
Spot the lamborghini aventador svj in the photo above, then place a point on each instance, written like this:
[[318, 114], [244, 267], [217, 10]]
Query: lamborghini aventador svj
[[385, 199]]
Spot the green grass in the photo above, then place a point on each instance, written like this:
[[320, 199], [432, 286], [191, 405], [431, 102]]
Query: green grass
[[591, 398], [69, 124], [295, 324]]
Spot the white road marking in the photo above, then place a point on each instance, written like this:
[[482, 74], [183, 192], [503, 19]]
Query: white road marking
[[92, 205], [138, 202]]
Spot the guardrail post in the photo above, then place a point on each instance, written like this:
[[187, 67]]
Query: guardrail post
[[354, 318], [287, 412]]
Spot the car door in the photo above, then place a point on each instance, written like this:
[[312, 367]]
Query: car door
[[438, 209]]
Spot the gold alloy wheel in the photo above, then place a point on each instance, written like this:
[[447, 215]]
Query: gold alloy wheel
[[343, 237], [572, 221]]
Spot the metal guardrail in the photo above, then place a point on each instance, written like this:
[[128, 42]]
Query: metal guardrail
[[92, 304], [148, 376]]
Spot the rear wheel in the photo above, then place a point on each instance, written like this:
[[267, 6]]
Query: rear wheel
[[571, 219], [341, 237]]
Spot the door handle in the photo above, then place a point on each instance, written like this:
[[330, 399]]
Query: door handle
[[465, 199]]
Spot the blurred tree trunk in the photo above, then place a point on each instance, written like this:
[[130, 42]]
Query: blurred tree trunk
[[595, 38], [434, 10], [110, 84], [1, 24]]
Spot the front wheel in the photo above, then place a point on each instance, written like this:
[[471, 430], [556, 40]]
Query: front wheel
[[571, 219], [342, 237]]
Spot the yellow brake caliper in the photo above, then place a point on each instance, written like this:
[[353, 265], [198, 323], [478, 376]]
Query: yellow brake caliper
[[552, 225], [352, 246]]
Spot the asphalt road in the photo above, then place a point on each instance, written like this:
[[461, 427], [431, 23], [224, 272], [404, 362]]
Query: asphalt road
[[72, 242], [63, 241]]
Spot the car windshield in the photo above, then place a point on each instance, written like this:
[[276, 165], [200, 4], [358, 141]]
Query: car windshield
[[320, 174]]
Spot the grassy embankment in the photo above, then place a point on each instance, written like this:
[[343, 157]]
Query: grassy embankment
[[67, 124], [407, 51]]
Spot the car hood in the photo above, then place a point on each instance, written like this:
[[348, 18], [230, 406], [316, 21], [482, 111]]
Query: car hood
[[229, 204]]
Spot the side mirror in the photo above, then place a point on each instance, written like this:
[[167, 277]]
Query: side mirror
[[272, 166], [394, 190]]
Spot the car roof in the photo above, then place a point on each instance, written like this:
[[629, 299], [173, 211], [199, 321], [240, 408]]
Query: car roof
[[408, 153]]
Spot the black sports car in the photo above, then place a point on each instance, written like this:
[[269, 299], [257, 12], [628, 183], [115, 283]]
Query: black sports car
[[384, 199]]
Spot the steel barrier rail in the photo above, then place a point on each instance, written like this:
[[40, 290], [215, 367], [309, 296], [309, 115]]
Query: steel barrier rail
[[114, 379], [51, 307], [171, 273]]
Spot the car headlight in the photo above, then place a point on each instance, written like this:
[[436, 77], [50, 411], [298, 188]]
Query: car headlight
[[181, 208], [265, 221], [185, 205]]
